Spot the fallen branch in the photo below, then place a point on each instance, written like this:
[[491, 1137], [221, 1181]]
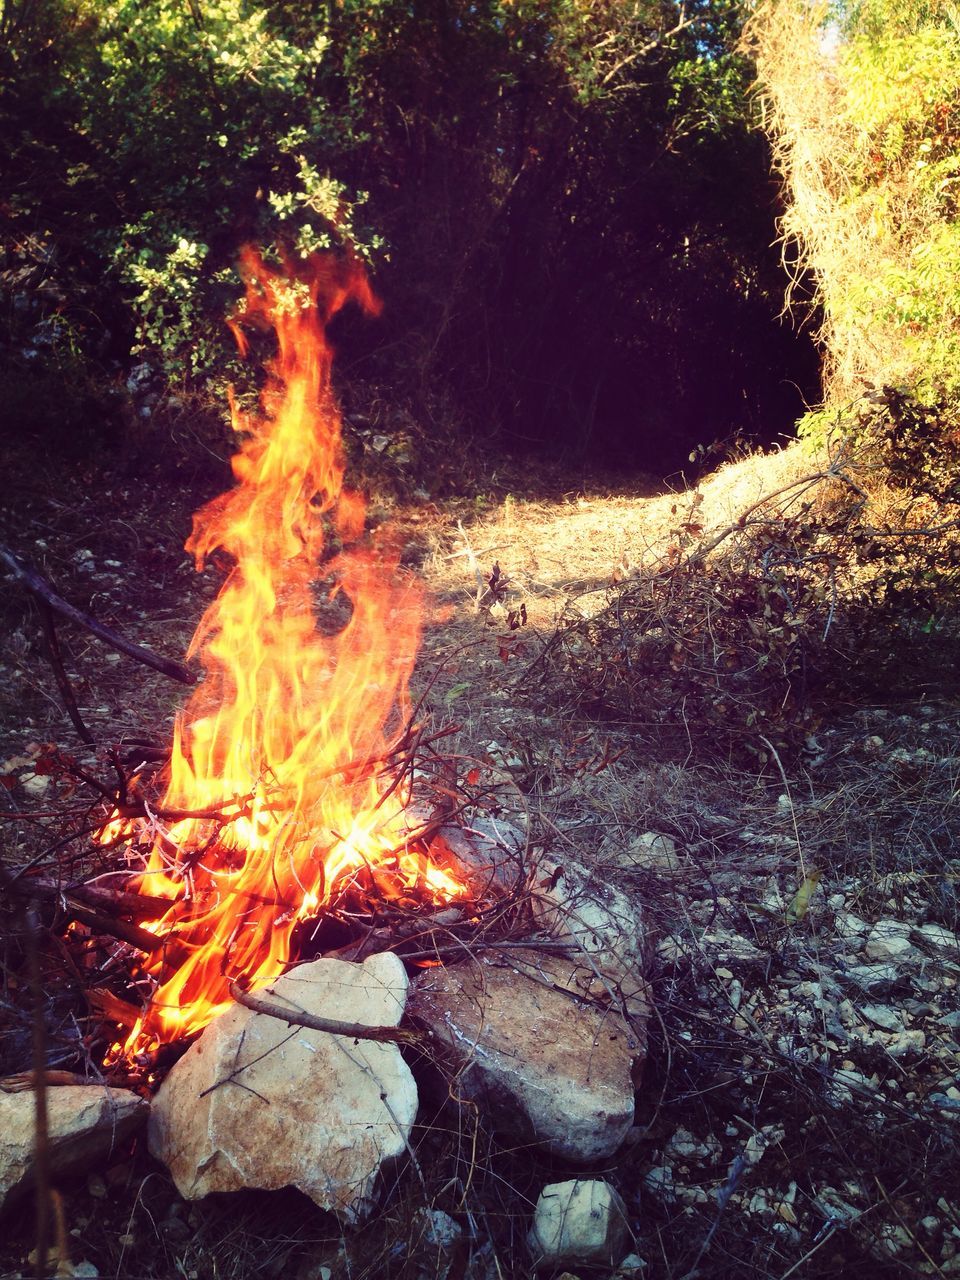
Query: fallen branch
[[42, 589], [300, 1018]]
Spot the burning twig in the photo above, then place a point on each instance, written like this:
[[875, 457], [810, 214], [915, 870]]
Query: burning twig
[[86, 914]]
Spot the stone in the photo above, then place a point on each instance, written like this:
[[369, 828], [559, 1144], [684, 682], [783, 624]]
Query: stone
[[631, 1265], [650, 851], [849, 926], [684, 1146], [659, 1182], [433, 1244], [905, 1043], [438, 1228], [491, 851], [599, 922], [86, 1124], [255, 1102], [882, 1016], [579, 1222], [889, 940], [943, 941], [874, 978], [536, 1054]]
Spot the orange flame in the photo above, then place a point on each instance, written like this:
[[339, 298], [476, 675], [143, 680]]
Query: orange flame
[[281, 737]]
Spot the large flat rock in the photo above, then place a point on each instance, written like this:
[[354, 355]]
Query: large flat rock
[[539, 1051], [258, 1103], [85, 1123]]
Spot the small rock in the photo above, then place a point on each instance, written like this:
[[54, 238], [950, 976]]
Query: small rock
[[659, 1182], [598, 920], [630, 1266], [732, 948], [848, 925], [435, 1239], [877, 979], [651, 851], [759, 1203], [759, 1142], [848, 1081], [889, 940], [882, 1016], [579, 1222], [684, 1146], [85, 1123], [944, 941], [904, 1043]]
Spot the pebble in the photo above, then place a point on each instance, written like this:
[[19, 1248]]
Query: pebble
[[905, 1043], [579, 1221], [684, 1146], [652, 851], [889, 940], [882, 1016], [874, 978], [659, 1181], [940, 939]]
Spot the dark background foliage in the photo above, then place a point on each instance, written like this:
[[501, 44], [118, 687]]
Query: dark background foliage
[[565, 206]]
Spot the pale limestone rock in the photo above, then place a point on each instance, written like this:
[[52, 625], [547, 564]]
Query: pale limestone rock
[[650, 851], [536, 1055], [943, 941], [433, 1244], [85, 1123], [579, 1222], [257, 1103], [490, 851], [889, 940], [602, 925], [882, 1016]]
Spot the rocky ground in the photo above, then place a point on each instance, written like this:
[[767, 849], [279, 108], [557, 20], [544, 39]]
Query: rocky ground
[[799, 1109]]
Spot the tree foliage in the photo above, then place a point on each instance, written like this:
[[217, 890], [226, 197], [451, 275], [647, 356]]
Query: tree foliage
[[863, 100], [562, 198]]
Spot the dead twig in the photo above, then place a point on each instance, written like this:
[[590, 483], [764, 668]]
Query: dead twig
[[300, 1018]]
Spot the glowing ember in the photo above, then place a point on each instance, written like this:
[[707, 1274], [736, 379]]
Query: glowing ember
[[277, 748]]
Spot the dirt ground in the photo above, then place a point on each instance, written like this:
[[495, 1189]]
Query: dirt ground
[[799, 1111]]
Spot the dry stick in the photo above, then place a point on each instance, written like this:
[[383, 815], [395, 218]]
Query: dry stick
[[43, 591], [59, 673], [41, 1136], [300, 1018], [122, 929]]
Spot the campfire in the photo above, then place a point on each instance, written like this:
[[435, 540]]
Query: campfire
[[286, 802]]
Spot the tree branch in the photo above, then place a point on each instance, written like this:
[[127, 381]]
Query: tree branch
[[42, 589]]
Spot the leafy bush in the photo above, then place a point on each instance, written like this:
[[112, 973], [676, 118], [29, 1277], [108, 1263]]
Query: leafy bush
[[861, 101]]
